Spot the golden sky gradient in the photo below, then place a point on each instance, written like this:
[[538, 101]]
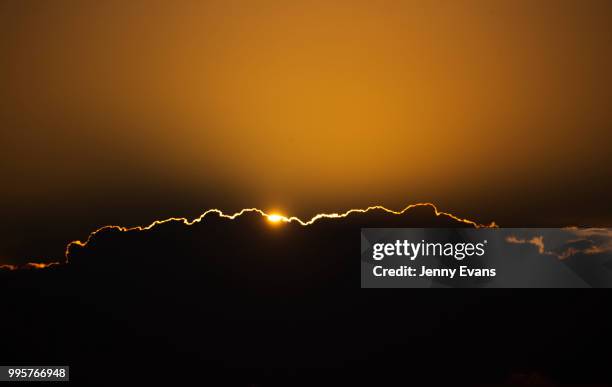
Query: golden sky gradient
[[308, 106]]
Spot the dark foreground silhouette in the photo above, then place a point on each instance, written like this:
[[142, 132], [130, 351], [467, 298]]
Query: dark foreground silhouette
[[247, 301]]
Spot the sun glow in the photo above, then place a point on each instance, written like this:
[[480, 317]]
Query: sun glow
[[276, 218]]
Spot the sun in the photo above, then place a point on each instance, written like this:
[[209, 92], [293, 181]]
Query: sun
[[276, 218]]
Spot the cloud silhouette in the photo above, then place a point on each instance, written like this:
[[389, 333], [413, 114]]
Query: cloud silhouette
[[246, 296]]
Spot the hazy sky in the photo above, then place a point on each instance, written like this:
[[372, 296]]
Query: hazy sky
[[123, 112]]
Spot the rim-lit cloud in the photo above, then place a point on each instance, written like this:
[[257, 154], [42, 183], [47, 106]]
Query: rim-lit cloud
[[569, 241]]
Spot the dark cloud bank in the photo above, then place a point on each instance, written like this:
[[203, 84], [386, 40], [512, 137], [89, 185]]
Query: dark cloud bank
[[246, 300]]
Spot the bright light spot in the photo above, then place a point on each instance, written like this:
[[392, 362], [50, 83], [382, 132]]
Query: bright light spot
[[275, 218]]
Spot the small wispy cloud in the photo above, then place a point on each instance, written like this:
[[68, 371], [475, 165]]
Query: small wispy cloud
[[574, 241]]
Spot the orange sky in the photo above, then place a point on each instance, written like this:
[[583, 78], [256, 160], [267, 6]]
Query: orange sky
[[306, 106]]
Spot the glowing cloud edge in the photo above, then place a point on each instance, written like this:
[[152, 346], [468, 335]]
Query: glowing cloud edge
[[276, 219]]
